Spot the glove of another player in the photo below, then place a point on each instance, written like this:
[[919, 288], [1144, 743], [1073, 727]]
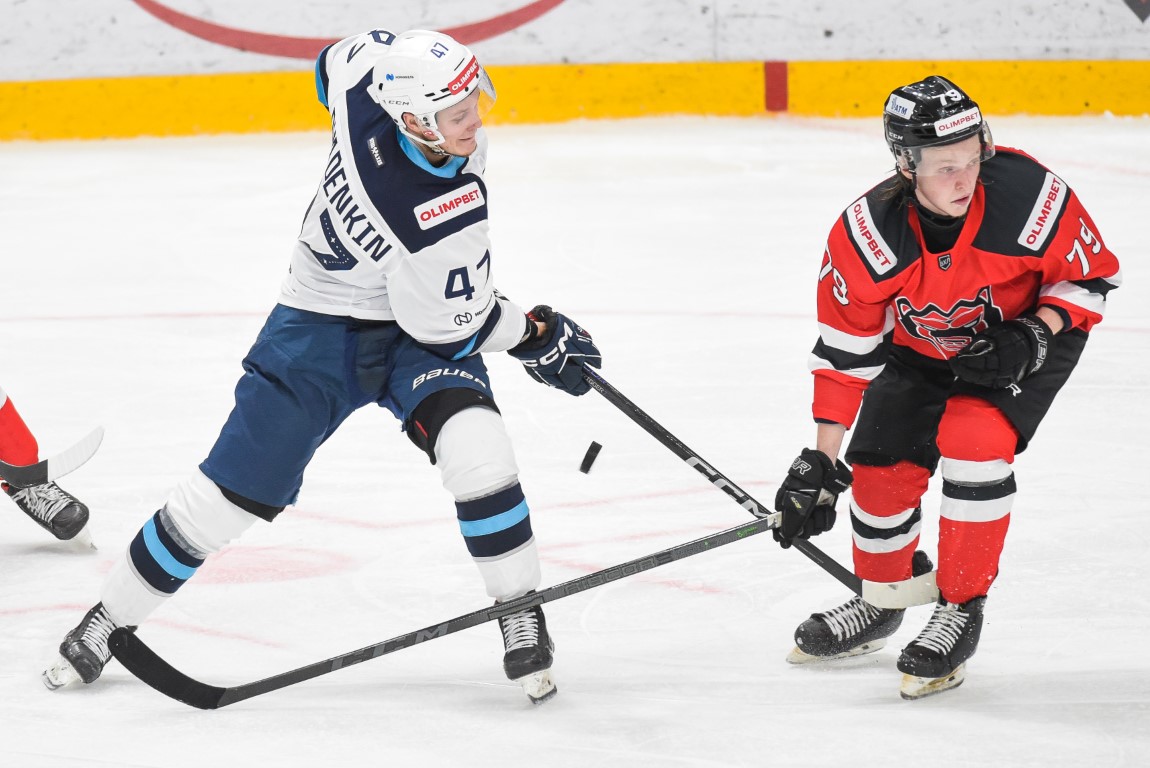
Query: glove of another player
[[807, 496], [1004, 354], [557, 355]]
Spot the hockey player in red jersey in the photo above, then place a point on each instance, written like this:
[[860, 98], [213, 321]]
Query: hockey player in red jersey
[[954, 301], [50, 506]]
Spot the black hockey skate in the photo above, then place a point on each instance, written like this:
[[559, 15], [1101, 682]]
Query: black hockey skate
[[529, 652], [84, 651], [935, 661], [854, 628], [54, 509]]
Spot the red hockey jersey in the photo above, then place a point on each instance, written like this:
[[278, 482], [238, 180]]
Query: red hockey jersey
[[1026, 242]]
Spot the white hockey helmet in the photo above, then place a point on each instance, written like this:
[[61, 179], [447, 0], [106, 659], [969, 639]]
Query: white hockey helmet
[[423, 73]]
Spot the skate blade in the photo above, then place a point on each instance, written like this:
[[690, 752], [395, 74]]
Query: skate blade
[[914, 688], [59, 674], [799, 656], [538, 686], [82, 541]]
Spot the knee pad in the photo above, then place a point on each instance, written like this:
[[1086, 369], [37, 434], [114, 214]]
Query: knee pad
[[201, 513], [426, 421], [474, 454], [977, 443], [888, 491], [974, 430]]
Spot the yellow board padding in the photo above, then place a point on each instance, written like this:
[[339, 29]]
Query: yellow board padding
[[285, 101], [160, 106], [560, 92], [860, 88]]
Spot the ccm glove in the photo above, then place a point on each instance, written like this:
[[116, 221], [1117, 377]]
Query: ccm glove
[[557, 355], [1004, 354], [807, 496]]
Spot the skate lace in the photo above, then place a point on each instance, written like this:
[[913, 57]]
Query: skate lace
[[43, 501], [96, 634], [944, 628], [850, 618], [520, 630]]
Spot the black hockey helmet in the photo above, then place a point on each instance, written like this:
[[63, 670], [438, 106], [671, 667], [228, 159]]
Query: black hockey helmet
[[931, 113]]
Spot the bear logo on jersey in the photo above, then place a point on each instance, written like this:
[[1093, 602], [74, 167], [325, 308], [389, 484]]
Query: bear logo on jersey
[[949, 330]]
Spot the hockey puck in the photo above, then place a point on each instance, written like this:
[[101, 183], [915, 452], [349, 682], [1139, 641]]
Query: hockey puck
[[589, 457]]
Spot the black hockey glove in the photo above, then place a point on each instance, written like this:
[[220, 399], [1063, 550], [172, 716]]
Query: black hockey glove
[[1004, 354], [556, 357], [807, 496]]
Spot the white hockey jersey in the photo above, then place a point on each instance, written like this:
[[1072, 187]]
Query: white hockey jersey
[[390, 237]]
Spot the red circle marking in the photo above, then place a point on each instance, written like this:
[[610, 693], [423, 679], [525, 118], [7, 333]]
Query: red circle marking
[[309, 47]]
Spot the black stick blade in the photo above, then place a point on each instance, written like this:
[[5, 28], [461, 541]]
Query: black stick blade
[[145, 664]]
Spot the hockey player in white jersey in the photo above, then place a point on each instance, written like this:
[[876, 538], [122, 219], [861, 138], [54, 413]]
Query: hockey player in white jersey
[[389, 300]]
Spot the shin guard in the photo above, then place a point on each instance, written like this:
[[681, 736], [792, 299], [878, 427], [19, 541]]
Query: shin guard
[[195, 522], [886, 519], [977, 444], [474, 455]]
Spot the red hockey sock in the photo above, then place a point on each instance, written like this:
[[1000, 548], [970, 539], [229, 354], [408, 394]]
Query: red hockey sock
[[977, 442], [17, 445]]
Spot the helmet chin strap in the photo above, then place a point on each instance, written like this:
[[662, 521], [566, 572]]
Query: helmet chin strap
[[908, 168], [434, 144]]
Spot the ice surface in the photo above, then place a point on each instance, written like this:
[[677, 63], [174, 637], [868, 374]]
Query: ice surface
[[136, 273]]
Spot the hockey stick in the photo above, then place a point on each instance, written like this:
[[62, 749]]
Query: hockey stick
[[49, 469], [919, 590], [149, 667]]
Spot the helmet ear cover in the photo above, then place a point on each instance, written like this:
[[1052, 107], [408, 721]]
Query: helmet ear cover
[[933, 112]]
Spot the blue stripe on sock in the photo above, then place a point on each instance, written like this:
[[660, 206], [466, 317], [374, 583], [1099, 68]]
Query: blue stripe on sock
[[495, 523], [161, 554], [170, 544]]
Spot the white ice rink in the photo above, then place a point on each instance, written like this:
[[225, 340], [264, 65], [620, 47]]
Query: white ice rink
[[135, 275]]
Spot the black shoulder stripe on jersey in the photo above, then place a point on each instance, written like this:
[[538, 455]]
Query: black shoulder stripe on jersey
[[395, 185], [1013, 184], [881, 217]]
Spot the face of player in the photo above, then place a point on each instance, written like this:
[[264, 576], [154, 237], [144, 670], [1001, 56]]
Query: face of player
[[947, 177], [458, 126]]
